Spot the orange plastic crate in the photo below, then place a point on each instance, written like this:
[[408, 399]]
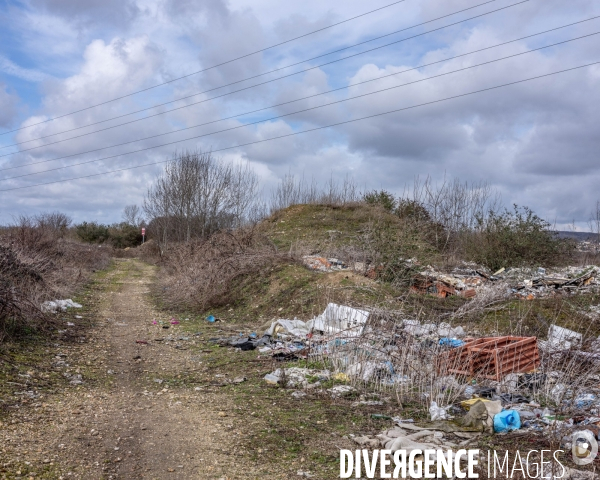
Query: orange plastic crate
[[491, 357]]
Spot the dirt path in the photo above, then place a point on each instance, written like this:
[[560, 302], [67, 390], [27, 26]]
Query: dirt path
[[133, 416]]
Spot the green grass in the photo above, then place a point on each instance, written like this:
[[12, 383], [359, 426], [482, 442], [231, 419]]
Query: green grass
[[286, 432], [35, 352], [323, 227]]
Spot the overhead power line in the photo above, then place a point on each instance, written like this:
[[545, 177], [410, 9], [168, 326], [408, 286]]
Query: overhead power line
[[299, 99], [210, 68], [278, 104], [269, 72], [315, 128]]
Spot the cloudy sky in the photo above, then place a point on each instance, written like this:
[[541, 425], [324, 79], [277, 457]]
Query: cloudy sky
[[537, 142]]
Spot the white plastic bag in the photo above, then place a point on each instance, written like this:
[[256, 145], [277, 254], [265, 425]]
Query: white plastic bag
[[437, 413]]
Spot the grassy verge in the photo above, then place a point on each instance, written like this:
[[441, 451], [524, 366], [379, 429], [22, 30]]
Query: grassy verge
[[27, 363]]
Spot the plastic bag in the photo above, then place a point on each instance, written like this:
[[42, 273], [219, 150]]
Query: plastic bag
[[437, 413]]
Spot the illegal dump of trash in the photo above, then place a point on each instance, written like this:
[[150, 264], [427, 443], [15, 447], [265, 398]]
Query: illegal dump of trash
[[466, 383]]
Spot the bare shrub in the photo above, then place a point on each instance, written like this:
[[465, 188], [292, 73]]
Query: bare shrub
[[452, 207], [200, 273], [38, 264], [295, 191], [56, 222], [467, 221], [486, 298]]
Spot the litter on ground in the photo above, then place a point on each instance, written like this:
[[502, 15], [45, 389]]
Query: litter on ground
[[53, 306]]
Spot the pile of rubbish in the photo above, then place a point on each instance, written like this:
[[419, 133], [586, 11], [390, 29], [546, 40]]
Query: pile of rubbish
[[472, 384], [442, 285], [288, 339], [526, 283], [323, 264], [54, 306], [469, 279]]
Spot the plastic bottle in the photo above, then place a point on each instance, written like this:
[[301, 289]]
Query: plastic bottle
[[507, 420], [469, 391], [272, 379]]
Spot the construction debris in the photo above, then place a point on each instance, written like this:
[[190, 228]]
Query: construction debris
[[441, 286], [522, 282], [322, 264]]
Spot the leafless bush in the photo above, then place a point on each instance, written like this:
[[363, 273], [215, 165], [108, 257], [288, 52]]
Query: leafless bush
[[200, 273], [38, 264], [453, 206], [293, 191]]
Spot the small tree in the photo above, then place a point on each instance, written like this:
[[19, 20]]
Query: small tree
[[382, 198], [594, 224], [92, 232], [132, 215]]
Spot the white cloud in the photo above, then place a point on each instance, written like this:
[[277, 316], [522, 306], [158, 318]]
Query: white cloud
[[535, 142], [10, 68]]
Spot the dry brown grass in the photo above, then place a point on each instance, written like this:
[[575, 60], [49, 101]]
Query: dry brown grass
[[199, 274], [39, 264]]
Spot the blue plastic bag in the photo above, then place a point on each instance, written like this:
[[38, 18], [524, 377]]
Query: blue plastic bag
[[507, 420], [451, 342]]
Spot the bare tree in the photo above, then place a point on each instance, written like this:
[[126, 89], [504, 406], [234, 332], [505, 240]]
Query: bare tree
[[197, 195], [244, 194], [158, 208], [132, 215]]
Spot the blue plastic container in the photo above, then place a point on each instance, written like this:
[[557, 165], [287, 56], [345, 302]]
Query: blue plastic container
[[507, 420], [210, 318]]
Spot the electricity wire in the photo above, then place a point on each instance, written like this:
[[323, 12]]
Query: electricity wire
[[315, 128]]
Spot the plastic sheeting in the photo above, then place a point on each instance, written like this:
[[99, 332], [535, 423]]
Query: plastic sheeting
[[338, 318], [56, 305], [563, 338], [335, 319], [295, 327]]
